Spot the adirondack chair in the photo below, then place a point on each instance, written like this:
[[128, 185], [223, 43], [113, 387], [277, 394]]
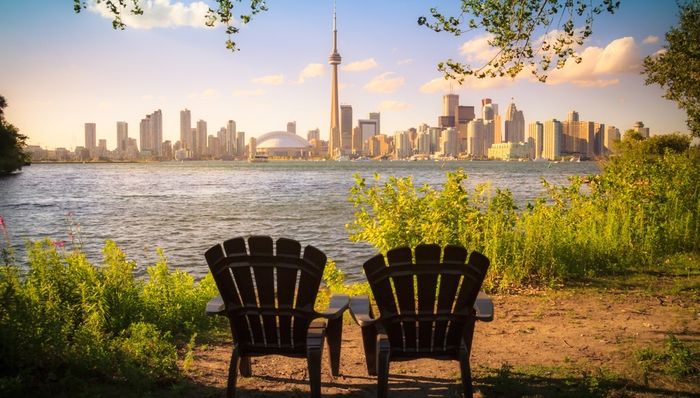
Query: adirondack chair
[[268, 297], [440, 326]]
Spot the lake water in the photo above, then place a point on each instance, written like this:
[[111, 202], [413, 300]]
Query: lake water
[[185, 207]]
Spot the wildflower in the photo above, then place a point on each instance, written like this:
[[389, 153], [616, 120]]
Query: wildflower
[[2, 222], [58, 243]]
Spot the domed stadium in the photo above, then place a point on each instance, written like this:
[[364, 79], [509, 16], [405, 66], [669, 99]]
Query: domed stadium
[[282, 144]]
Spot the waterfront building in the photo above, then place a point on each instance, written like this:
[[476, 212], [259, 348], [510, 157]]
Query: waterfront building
[[221, 144], [434, 133], [145, 135], [476, 134], [535, 136], [252, 148], [231, 138], [509, 150], [156, 131], [368, 128], [612, 134], [446, 121], [201, 140], [167, 150], [598, 137], [379, 145], [376, 116], [186, 138], [346, 128], [449, 142], [450, 103], [552, 132], [423, 145], [334, 141], [240, 144], [283, 144], [292, 127], [639, 127], [402, 144], [102, 147], [91, 137], [122, 136], [356, 141], [514, 129]]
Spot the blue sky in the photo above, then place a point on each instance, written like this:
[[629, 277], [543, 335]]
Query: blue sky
[[60, 70]]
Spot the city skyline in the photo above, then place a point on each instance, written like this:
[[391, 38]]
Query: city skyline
[[395, 75]]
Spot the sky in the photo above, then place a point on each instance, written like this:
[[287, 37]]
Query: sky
[[60, 70]]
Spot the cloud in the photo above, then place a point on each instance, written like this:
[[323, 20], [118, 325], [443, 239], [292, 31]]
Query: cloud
[[272, 80], [158, 14], [406, 61], [249, 93], [393, 106], [384, 83], [208, 93], [651, 39], [478, 49], [440, 84], [359, 66], [600, 67], [311, 70]]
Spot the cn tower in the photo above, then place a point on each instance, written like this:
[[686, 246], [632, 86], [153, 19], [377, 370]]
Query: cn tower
[[334, 144]]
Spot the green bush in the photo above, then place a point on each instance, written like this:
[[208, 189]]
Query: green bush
[[643, 206]]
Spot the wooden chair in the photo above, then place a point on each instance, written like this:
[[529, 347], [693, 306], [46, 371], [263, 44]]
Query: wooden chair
[[268, 297], [427, 308]]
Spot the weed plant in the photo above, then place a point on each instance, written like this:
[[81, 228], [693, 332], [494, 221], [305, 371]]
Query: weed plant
[[642, 207]]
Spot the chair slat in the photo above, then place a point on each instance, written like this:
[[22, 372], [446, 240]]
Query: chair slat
[[289, 250], [263, 261], [427, 255], [312, 265], [402, 258]]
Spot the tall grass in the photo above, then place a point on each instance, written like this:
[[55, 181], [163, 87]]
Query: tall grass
[[643, 206]]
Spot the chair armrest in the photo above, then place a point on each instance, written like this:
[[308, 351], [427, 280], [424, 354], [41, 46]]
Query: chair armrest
[[483, 307], [339, 303], [216, 306], [361, 311]]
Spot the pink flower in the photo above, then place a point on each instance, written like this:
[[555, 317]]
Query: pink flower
[[2, 222], [58, 243]]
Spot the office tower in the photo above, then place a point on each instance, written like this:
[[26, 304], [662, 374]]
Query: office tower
[[186, 139], [221, 142], [450, 102], [167, 150], [475, 139], [346, 128], [514, 125], [313, 135], [598, 137], [195, 140], [423, 144], [122, 136], [535, 135], [90, 136], [292, 127], [435, 133], [638, 127], [552, 132], [378, 145], [402, 144], [486, 109], [231, 138], [252, 147], [449, 142], [612, 134], [446, 121], [368, 128], [156, 132], [376, 117], [240, 143], [357, 141], [102, 147], [572, 116], [145, 134], [201, 148], [334, 141], [465, 114]]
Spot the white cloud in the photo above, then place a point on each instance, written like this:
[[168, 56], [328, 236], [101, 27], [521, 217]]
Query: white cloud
[[359, 66], [385, 83], [208, 93], [393, 106], [600, 66], [158, 14], [311, 70], [440, 84], [248, 93], [478, 49], [272, 80], [651, 39]]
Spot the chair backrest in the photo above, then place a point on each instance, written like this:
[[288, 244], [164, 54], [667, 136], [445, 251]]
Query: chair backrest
[[425, 301], [269, 292]]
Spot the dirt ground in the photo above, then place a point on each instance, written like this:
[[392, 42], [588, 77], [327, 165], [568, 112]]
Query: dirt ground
[[575, 342]]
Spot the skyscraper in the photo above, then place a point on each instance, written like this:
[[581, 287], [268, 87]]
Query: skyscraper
[[122, 136], [292, 127], [552, 133], [90, 137], [201, 148], [515, 124], [145, 134], [450, 102], [186, 129], [240, 143], [334, 142], [376, 116], [156, 129], [231, 138], [346, 128]]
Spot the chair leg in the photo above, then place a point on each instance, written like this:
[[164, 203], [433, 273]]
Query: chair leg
[[313, 359], [466, 371], [369, 340], [382, 365], [334, 332], [233, 372], [245, 368]]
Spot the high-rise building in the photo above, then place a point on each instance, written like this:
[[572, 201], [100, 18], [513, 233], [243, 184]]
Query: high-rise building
[[156, 132], [450, 102], [376, 116], [423, 143], [346, 128], [122, 136], [612, 134], [402, 144], [145, 135], [252, 147], [186, 139], [90, 137], [292, 127], [514, 130], [449, 142], [552, 132], [475, 139], [221, 142], [535, 135], [231, 138], [240, 143], [639, 127], [367, 128], [201, 148], [357, 141], [334, 140]]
